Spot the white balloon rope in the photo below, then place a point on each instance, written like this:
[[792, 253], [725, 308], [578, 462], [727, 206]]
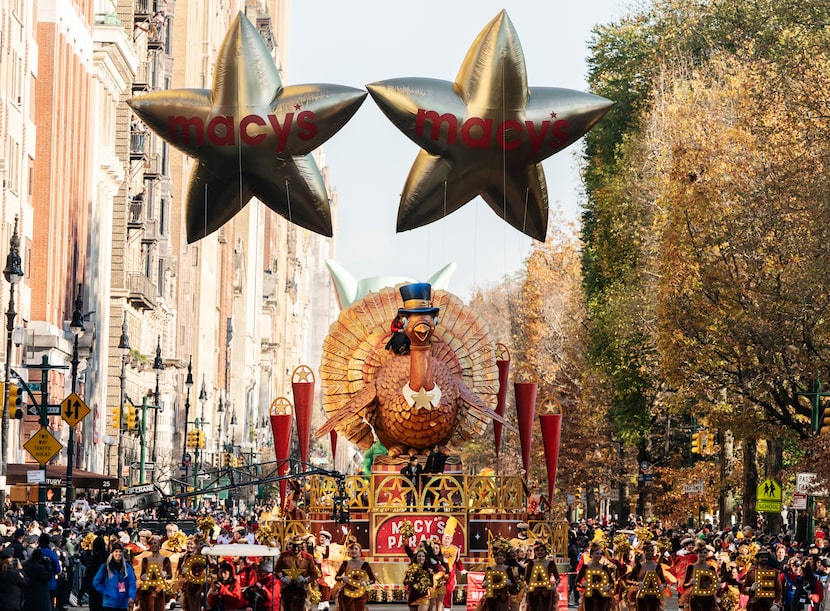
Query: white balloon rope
[[288, 199], [206, 207], [444, 237], [239, 165]]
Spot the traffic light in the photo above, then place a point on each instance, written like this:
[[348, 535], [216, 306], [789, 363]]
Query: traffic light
[[578, 496], [200, 439], [192, 439], [132, 417], [15, 401], [225, 458], [116, 417], [697, 442]]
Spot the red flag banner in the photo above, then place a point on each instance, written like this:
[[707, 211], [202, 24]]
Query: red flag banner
[[302, 385], [550, 421], [525, 387], [281, 416], [503, 363]]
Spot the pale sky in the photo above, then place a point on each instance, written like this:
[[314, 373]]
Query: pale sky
[[362, 41]]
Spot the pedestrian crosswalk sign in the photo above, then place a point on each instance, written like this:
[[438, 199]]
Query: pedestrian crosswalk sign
[[769, 490], [768, 496]]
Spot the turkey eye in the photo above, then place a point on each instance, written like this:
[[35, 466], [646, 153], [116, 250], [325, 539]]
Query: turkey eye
[[404, 320]]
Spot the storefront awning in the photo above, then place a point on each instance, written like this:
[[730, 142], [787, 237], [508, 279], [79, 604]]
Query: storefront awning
[[16, 474]]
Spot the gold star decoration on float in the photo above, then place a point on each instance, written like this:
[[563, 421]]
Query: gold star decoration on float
[[251, 136], [484, 134]]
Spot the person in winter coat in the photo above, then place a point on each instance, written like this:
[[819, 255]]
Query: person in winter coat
[[12, 581], [226, 593], [93, 563], [115, 580], [44, 544], [39, 572]]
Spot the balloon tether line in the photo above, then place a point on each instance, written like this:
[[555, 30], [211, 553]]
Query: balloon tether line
[[444, 240], [239, 165], [206, 208], [288, 199]]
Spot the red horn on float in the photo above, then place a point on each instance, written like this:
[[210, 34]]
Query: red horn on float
[[303, 390], [281, 413], [503, 363], [525, 387], [333, 438], [550, 421]]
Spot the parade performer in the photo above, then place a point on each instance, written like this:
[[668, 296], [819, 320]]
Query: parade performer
[[621, 564], [497, 580], [192, 575], [452, 558], [418, 582], [263, 592], [729, 591], [295, 569], [225, 593], [133, 551], [597, 580], [542, 580], [516, 573], [440, 574], [762, 584], [354, 575], [155, 571], [651, 581], [331, 555], [682, 559], [701, 583]]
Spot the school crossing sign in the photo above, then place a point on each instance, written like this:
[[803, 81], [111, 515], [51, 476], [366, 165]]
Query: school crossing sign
[[769, 496]]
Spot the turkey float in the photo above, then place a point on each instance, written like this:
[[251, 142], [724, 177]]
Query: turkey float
[[437, 393]]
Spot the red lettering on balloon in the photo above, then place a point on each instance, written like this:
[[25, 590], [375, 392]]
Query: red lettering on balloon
[[282, 131], [220, 131], [243, 129], [502, 132], [227, 137], [480, 132], [182, 129], [308, 128], [536, 138], [482, 141], [559, 135], [436, 121]]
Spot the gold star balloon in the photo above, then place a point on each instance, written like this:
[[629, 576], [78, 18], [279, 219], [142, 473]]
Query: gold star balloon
[[484, 134], [251, 135]]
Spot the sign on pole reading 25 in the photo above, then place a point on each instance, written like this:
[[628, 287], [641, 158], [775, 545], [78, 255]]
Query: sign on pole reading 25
[[73, 409]]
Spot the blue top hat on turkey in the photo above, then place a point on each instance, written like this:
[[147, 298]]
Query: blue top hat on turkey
[[417, 299]]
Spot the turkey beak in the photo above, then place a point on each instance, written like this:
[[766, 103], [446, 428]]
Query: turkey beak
[[422, 331]]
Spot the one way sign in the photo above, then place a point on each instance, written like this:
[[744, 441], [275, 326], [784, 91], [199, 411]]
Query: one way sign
[[51, 410]]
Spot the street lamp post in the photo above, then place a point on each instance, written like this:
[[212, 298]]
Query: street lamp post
[[77, 328], [13, 274], [124, 349], [188, 384], [158, 365], [203, 397]]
